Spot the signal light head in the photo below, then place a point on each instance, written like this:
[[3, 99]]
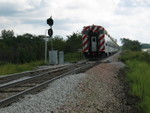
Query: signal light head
[[50, 32], [50, 21]]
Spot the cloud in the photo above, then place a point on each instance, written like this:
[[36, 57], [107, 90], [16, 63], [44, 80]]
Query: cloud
[[8, 9], [133, 19], [121, 18], [11, 8], [33, 21], [134, 3]]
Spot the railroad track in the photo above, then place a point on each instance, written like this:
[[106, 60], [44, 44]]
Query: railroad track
[[11, 77], [12, 91]]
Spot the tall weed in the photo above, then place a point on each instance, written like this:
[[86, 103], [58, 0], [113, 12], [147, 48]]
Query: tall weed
[[139, 77]]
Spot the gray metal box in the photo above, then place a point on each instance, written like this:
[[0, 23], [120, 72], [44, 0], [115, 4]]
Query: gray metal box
[[53, 57], [61, 57]]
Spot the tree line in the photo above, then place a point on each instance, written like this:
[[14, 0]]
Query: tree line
[[132, 45], [145, 46], [27, 47]]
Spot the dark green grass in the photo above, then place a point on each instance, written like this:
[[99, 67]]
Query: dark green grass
[[74, 57], [139, 77]]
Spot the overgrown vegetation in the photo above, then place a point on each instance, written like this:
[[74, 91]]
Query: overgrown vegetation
[[132, 45], [16, 68], [138, 75], [21, 49], [24, 52], [27, 47], [74, 57]]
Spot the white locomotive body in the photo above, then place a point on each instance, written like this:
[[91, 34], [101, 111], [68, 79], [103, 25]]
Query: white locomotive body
[[96, 42]]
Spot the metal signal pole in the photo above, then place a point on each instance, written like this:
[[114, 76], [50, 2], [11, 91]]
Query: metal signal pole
[[46, 39], [50, 22]]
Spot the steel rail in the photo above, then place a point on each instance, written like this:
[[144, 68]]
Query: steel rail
[[9, 85], [38, 87], [11, 77]]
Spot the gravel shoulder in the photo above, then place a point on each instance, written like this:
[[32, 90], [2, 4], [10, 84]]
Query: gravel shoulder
[[98, 90]]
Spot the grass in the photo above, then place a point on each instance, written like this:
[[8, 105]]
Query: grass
[[6, 69], [16, 68], [137, 55], [139, 77], [73, 57]]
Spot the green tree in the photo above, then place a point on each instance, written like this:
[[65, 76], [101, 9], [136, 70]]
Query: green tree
[[73, 43], [7, 34], [28, 35], [58, 43], [132, 45], [27, 47], [21, 49]]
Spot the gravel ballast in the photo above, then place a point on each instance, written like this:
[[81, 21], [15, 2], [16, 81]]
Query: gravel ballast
[[98, 90], [47, 100]]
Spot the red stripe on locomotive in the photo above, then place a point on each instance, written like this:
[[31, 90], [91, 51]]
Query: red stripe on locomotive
[[87, 48], [86, 28], [85, 43], [85, 36], [101, 38], [102, 49], [102, 43]]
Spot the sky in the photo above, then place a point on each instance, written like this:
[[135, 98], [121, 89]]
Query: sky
[[121, 18]]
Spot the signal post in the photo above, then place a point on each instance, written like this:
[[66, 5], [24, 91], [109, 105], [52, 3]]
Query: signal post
[[50, 22]]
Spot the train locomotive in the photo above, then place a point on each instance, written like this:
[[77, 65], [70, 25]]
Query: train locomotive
[[97, 43]]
